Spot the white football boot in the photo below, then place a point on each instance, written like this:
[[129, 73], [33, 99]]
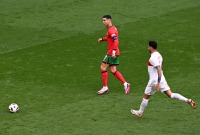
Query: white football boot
[[102, 91], [136, 112]]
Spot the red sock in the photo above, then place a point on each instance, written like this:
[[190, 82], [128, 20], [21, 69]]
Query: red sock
[[119, 76], [104, 75]]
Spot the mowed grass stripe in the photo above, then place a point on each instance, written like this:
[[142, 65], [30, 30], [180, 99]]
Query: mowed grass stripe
[[31, 23]]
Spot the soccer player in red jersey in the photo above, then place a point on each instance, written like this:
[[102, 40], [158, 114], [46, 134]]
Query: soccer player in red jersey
[[111, 58]]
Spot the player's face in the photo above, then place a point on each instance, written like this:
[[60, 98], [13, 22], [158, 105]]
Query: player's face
[[106, 21], [149, 48]]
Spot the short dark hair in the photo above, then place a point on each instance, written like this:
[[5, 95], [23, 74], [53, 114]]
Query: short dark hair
[[153, 44], [107, 16]]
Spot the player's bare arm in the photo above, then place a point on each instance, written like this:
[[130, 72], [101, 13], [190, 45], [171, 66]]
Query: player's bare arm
[[159, 69]]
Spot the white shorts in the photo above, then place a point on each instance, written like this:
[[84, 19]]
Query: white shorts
[[151, 87]]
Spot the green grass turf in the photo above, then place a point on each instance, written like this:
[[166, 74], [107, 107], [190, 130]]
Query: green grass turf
[[50, 62]]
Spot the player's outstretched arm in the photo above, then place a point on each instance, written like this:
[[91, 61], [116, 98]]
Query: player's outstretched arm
[[159, 69], [102, 39]]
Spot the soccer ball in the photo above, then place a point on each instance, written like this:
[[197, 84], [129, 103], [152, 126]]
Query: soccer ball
[[13, 107]]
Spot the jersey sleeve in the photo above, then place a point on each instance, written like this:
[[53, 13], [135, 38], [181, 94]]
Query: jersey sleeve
[[154, 61]]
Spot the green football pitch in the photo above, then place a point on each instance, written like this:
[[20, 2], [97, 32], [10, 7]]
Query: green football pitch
[[50, 66]]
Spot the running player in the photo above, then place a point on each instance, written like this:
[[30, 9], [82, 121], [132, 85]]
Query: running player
[[157, 81], [112, 56]]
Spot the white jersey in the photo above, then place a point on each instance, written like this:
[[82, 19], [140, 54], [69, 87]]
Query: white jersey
[[155, 60]]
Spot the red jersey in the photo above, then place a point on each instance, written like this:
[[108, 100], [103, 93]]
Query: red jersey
[[112, 39]]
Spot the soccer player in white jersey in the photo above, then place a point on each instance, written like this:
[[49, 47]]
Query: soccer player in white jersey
[[157, 81]]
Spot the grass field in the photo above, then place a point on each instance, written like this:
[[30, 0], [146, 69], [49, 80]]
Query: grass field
[[50, 63]]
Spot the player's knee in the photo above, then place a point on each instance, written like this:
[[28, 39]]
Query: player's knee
[[113, 71], [102, 68], [169, 93]]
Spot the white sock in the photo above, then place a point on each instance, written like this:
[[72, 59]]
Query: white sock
[[143, 105], [105, 87], [179, 97], [125, 84]]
